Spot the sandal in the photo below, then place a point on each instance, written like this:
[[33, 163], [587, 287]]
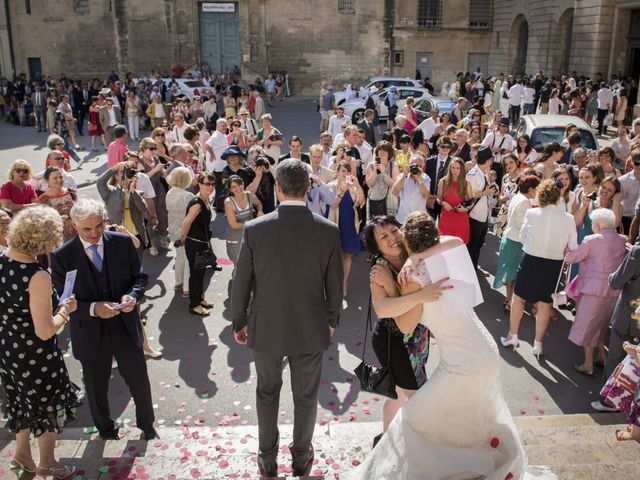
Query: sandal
[[178, 286], [507, 306], [185, 294], [59, 473], [206, 304], [18, 465], [202, 312], [579, 369], [622, 436]]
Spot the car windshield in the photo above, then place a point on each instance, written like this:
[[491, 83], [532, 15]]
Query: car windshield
[[542, 136]]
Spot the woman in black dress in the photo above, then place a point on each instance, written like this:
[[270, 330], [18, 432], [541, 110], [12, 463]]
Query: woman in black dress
[[40, 397], [196, 235], [404, 352]]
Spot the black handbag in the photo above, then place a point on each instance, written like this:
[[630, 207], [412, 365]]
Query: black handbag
[[374, 379]]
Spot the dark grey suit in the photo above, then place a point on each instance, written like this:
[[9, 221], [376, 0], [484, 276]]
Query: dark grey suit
[[287, 290], [369, 131], [623, 327]]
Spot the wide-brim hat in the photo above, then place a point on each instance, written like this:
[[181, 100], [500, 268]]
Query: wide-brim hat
[[105, 91], [243, 111], [233, 150]]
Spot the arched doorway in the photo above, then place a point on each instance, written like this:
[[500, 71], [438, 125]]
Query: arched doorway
[[520, 37], [565, 30]]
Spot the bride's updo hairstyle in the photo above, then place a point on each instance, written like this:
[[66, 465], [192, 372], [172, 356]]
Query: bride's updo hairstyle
[[420, 232]]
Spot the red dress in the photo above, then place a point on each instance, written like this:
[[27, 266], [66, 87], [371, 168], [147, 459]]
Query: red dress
[[94, 121], [454, 223]]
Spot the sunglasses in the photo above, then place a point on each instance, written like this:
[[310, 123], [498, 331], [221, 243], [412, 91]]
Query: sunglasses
[[57, 158], [152, 148], [159, 135], [445, 147], [208, 184], [21, 170], [59, 144]]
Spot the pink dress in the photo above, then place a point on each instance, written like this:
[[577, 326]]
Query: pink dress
[[599, 255], [409, 127]]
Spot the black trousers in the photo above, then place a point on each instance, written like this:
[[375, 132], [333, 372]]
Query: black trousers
[[514, 114], [196, 277], [497, 167], [305, 380], [477, 234], [626, 224], [219, 194], [133, 368], [602, 113]]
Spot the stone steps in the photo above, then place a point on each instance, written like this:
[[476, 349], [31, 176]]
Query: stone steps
[[580, 447]]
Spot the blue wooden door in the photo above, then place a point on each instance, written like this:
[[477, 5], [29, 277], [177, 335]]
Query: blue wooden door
[[220, 36]]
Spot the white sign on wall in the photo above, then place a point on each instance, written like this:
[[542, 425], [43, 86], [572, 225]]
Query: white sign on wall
[[218, 7]]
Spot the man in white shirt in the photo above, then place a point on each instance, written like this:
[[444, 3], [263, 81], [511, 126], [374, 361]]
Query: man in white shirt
[[325, 141], [364, 148], [499, 143], [337, 121], [210, 109], [515, 100], [528, 98], [479, 211], [215, 146], [412, 186], [605, 102], [428, 126]]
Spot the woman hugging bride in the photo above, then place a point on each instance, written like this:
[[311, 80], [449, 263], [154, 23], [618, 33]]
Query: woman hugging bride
[[457, 425]]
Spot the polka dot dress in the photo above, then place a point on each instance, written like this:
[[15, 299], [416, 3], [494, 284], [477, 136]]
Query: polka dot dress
[[40, 395]]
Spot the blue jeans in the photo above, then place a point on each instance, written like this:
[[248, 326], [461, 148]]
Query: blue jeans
[[72, 153]]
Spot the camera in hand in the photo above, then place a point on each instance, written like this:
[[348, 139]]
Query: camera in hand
[[466, 203], [262, 162], [130, 173], [177, 243], [414, 169], [377, 160], [112, 228]]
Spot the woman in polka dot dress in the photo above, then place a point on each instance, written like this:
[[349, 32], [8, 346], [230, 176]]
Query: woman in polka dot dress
[[40, 396]]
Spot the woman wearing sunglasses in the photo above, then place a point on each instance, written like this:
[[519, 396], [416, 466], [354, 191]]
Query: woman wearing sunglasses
[[17, 193]]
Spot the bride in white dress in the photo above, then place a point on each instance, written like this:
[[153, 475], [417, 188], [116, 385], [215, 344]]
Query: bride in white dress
[[457, 426]]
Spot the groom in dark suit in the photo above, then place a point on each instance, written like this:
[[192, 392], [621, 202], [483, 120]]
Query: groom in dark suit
[[109, 284], [285, 302]]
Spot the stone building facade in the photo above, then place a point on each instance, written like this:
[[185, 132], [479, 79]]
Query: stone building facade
[[337, 40]]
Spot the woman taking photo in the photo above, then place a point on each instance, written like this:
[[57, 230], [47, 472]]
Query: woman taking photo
[[155, 170], [380, 175], [599, 255], [18, 193], [344, 212], [453, 191], [94, 128], [511, 245], [239, 207], [551, 155], [59, 198], [546, 234], [507, 191], [196, 236], [405, 353], [527, 156], [177, 201], [38, 403]]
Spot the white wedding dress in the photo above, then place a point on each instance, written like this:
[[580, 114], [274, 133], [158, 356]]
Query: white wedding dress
[[457, 426]]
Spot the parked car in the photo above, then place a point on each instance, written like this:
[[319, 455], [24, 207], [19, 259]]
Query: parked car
[[376, 84], [443, 104], [544, 129], [355, 109]]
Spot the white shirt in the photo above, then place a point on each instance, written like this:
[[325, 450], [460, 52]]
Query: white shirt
[[605, 99], [515, 217], [366, 152], [515, 95], [293, 203], [529, 94], [179, 132], [158, 111], [630, 185], [428, 126], [177, 201], [555, 104], [411, 199], [547, 232], [336, 123], [478, 180], [495, 140], [218, 143], [326, 158], [112, 117], [144, 186]]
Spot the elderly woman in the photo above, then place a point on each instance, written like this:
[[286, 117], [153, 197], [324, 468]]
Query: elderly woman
[[133, 110], [599, 255], [40, 397], [269, 137], [178, 199], [60, 198], [18, 193], [546, 234], [511, 244]]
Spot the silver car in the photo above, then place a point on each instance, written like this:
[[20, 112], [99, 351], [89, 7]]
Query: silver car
[[544, 129]]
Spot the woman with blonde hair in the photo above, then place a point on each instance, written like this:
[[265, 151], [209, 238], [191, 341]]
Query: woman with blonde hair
[[40, 397], [344, 212], [178, 199], [453, 191], [18, 193]]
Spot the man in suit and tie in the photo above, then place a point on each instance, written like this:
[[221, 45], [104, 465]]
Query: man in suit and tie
[[110, 116], [436, 168], [295, 151], [366, 124], [285, 302], [40, 107], [109, 284], [85, 102]]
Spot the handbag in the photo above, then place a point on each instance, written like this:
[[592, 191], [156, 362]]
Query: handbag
[[559, 298], [374, 379]]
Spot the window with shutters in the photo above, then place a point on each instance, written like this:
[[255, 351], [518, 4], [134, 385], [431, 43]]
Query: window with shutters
[[480, 14], [429, 13], [81, 7], [345, 6]]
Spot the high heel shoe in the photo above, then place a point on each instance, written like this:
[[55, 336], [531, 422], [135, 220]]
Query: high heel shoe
[[537, 350], [18, 465], [513, 341]]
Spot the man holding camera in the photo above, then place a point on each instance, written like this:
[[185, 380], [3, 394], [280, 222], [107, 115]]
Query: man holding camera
[[412, 187], [499, 143], [479, 212]]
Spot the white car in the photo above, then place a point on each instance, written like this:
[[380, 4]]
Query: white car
[[544, 129], [355, 109], [186, 86], [376, 84]]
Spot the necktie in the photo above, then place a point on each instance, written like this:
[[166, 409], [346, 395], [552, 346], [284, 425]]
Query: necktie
[[95, 257], [439, 170]]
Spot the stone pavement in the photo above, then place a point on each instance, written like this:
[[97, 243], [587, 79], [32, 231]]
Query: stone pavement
[[573, 447]]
